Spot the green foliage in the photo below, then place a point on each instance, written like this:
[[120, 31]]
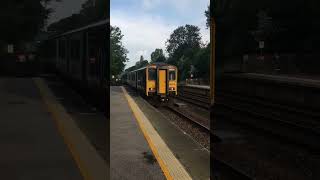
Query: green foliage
[[207, 14], [117, 51], [157, 56], [185, 51], [182, 38], [94, 10], [91, 11], [182, 46], [22, 20], [141, 58], [141, 63], [202, 63]]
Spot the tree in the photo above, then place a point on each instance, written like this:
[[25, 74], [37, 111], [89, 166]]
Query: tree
[[118, 51], [91, 11], [202, 63], [182, 45], [157, 56], [207, 14], [183, 37], [94, 10], [141, 63], [141, 58], [22, 20]]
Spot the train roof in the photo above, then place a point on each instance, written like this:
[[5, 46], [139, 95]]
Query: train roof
[[152, 64], [90, 26]]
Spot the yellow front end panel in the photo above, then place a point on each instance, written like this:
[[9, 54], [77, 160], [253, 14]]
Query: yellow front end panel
[[173, 86], [162, 81], [151, 87]]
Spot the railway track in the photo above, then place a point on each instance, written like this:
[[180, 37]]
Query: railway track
[[298, 124], [294, 124], [189, 118], [195, 95], [222, 170]]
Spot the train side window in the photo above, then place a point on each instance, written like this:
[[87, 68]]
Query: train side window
[[152, 74], [172, 75]]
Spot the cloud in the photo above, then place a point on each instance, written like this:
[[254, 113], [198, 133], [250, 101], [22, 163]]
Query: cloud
[[150, 4], [180, 6], [147, 24], [142, 35]]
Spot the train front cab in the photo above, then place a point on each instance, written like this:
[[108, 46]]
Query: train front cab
[[173, 81], [151, 72], [167, 82]]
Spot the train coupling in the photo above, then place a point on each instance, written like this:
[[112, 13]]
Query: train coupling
[[164, 99]]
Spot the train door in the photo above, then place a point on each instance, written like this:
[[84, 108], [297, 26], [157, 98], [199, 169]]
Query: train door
[[162, 79]]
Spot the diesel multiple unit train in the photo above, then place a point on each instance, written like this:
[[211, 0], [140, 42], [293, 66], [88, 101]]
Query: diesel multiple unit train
[[154, 80], [80, 56]]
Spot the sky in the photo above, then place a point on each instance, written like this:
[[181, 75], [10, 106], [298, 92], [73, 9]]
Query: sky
[[147, 24], [63, 9]]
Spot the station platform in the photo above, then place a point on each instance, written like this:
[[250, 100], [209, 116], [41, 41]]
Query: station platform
[[146, 145], [39, 138]]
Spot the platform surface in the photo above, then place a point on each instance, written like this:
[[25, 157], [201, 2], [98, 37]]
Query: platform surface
[[31, 147], [193, 157], [130, 155]]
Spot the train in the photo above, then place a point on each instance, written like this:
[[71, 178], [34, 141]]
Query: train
[[80, 56], [156, 80]]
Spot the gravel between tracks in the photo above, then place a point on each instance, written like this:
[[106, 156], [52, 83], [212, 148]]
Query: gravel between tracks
[[203, 138]]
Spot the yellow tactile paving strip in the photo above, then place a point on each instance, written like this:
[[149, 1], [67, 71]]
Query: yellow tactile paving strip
[[91, 165], [169, 164]]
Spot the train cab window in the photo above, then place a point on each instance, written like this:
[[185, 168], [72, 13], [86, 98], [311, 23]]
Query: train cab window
[[152, 74], [172, 75]]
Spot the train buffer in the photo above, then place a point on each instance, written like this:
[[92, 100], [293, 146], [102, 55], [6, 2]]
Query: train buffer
[[39, 139], [146, 145]]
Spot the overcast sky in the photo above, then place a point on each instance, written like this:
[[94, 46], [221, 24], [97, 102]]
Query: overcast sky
[[63, 9], [147, 24]]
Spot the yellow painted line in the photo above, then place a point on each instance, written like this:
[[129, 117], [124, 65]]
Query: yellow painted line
[[169, 164], [90, 164]]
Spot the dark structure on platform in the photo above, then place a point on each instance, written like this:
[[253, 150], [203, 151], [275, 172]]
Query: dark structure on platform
[[81, 57]]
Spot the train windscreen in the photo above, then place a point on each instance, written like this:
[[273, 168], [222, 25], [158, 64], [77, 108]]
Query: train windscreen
[[172, 75], [152, 73]]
